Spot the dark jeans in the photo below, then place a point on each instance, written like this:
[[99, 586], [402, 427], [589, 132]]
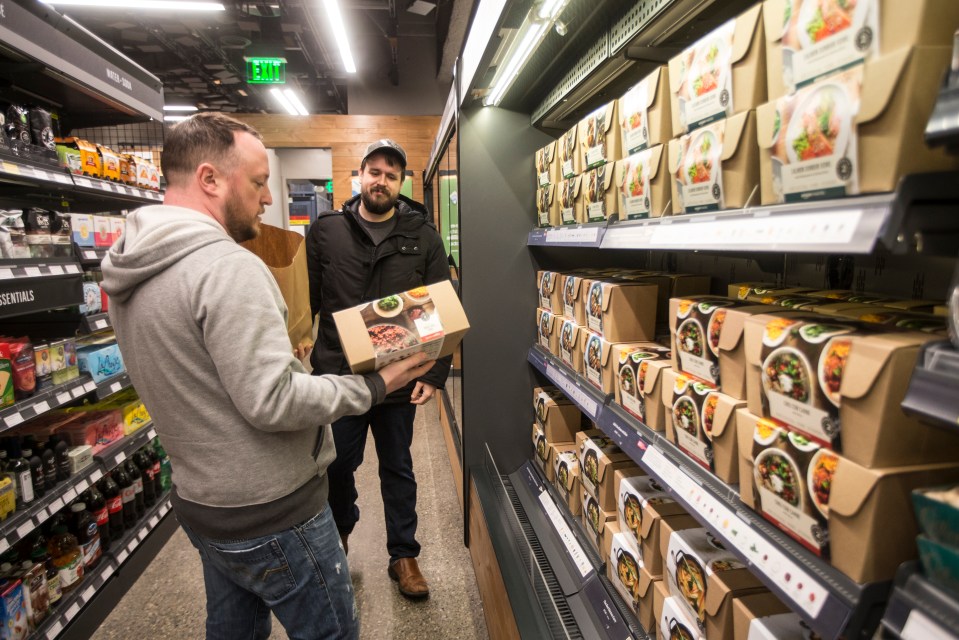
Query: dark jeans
[[392, 427]]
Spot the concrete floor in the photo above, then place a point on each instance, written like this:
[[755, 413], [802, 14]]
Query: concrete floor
[[169, 599]]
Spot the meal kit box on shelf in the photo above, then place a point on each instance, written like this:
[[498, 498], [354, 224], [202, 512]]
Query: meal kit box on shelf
[[560, 418], [763, 616], [566, 474], [595, 519], [571, 339], [857, 131], [830, 504], [887, 317], [642, 506], [550, 293], [547, 331], [632, 374], [544, 451], [600, 140], [601, 360], [705, 577], [701, 422], [629, 577], [644, 184], [803, 44], [644, 113], [601, 197], [547, 207], [722, 74], [842, 383], [574, 292], [599, 459], [571, 200], [570, 153], [716, 167], [428, 319], [622, 311], [675, 622], [762, 292], [546, 161], [660, 593]]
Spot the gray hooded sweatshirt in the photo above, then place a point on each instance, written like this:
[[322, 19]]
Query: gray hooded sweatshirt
[[202, 327]]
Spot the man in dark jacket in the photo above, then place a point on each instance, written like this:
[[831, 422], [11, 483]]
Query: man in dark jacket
[[380, 243]]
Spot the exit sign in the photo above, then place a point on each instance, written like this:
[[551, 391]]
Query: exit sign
[[266, 70]]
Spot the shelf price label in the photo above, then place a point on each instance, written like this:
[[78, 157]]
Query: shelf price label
[[573, 547], [90, 386], [54, 630], [6, 274], [32, 272], [63, 398], [919, 626], [25, 528], [102, 323], [72, 268], [13, 419], [587, 235], [55, 270], [41, 407], [115, 387], [574, 392]]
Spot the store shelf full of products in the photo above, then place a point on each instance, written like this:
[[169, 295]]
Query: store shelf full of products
[[29, 285], [931, 393], [832, 604], [919, 610], [45, 400]]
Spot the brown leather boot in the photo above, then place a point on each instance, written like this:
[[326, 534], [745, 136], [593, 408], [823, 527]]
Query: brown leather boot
[[412, 584]]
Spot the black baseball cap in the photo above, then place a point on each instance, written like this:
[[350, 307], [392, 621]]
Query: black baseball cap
[[385, 145]]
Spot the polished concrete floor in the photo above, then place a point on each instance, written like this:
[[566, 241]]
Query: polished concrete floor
[[169, 599]]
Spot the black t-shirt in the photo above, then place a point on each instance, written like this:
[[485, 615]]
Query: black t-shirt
[[378, 230]]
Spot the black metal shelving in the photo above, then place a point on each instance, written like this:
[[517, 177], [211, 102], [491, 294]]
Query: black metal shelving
[[919, 610], [29, 285], [113, 385], [932, 388], [45, 400]]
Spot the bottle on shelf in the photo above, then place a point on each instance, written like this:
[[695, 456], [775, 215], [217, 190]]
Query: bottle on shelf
[[88, 537], [3, 459], [139, 501], [39, 554], [20, 470], [154, 457], [36, 592], [128, 494], [49, 458], [145, 465], [166, 469], [62, 457], [66, 555], [111, 493], [36, 469], [97, 505]]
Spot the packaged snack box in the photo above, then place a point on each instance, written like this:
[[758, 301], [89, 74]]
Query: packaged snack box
[[571, 200], [547, 165], [557, 414], [571, 339], [644, 113], [601, 197], [599, 136], [644, 185]]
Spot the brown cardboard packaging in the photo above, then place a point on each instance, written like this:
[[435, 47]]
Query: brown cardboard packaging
[[644, 113], [601, 197], [550, 293], [547, 165], [660, 593], [675, 622], [641, 503], [767, 612], [595, 519], [437, 331], [631, 377], [547, 206], [643, 183], [561, 419], [762, 292], [544, 451], [693, 104], [621, 311], [547, 331], [657, 520], [925, 22], [601, 362], [573, 297], [874, 430], [671, 285], [896, 89], [599, 459], [732, 349], [566, 476], [599, 136], [646, 599], [571, 200], [623, 566], [570, 153], [571, 340], [738, 162], [652, 390]]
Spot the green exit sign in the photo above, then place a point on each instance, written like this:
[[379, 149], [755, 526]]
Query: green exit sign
[[266, 70]]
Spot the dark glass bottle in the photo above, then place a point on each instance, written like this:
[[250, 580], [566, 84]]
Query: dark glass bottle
[[136, 478], [20, 470], [111, 493], [36, 469], [128, 494], [143, 462], [97, 505]]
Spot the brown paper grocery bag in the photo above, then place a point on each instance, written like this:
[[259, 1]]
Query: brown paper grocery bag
[[284, 252]]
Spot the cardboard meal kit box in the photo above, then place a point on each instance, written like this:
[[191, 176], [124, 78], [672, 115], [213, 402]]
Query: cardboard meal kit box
[[601, 360], [570, 155], [856, 131], [623, 566], [722, 74], [566, 475], [831, 505], [675, 622], [542, 451], [763, 616], [547, 331], [802, 44], [571, 339], [599, 137], [574, 297], [762, 292], [644, 113], [642, 506], [633, 375], [601, 197], [644, 185], [550, 294], [547, 165], [841, 383], [715, 167], [599, 459], [547, 206], [560, 418], [571, 200], [595, 519], [428, 319], [622, 311]]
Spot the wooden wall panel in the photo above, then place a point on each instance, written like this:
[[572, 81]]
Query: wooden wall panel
[[348, 137], [500, 622]]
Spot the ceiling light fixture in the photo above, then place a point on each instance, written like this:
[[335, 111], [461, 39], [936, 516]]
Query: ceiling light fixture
[[284, 101], [339, 30], [179, 107], [175, 118], [296, 102], [162, 5], [421, 7]]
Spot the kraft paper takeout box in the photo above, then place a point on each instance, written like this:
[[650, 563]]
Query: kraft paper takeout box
[[601, 360], [632, 377], [765, 615], [600, 194], [901, 24], [571, 200], [546, 162], [623, 564], [737, 161], [569, 152], [358, 344], [573, 297], [655, 507], [599, 137], [642, 180], [622, 311], [547, 206], [897, 93], [744, 90], [871, 525], [599, 459], [874, 430], [595, 519], [544, 452], [547, 331], [566, 473], [572, 337], [644, 113], [560, 418], [550, 291]]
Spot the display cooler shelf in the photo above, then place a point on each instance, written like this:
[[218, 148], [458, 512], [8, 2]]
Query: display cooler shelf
[[915, 217], [30, 285], [831, 603], [90, 256], [95, 322], [116, 384], [932, 389], [943, 126], [45, 400], [115, 453], [919, 610]]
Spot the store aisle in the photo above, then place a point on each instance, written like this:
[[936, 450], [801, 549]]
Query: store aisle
[[168, 598]]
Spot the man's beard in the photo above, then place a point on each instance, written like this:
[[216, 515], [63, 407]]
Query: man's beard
[[374, 206], [236, 227]]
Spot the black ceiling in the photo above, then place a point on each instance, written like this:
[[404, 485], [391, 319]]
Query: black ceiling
[[199, 57]]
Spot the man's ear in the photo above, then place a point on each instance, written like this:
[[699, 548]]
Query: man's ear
[[208, 178]]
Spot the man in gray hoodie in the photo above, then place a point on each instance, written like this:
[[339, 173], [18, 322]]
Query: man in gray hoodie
[[202, 326]]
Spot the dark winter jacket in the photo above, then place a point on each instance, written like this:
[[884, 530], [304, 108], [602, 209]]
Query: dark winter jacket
[[346, 269]]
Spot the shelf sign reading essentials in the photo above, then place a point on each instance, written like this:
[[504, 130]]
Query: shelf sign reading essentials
[[266, 70]]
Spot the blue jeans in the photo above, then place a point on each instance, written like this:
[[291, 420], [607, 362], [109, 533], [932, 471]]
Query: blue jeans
[[392, 427], [300, 574]]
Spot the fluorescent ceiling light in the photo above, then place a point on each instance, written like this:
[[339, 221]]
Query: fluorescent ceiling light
[[517, 59], [550, 9], [175, 118], [163, 5], [339, 30], [284, 102], [179, 107], [296, 102]]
